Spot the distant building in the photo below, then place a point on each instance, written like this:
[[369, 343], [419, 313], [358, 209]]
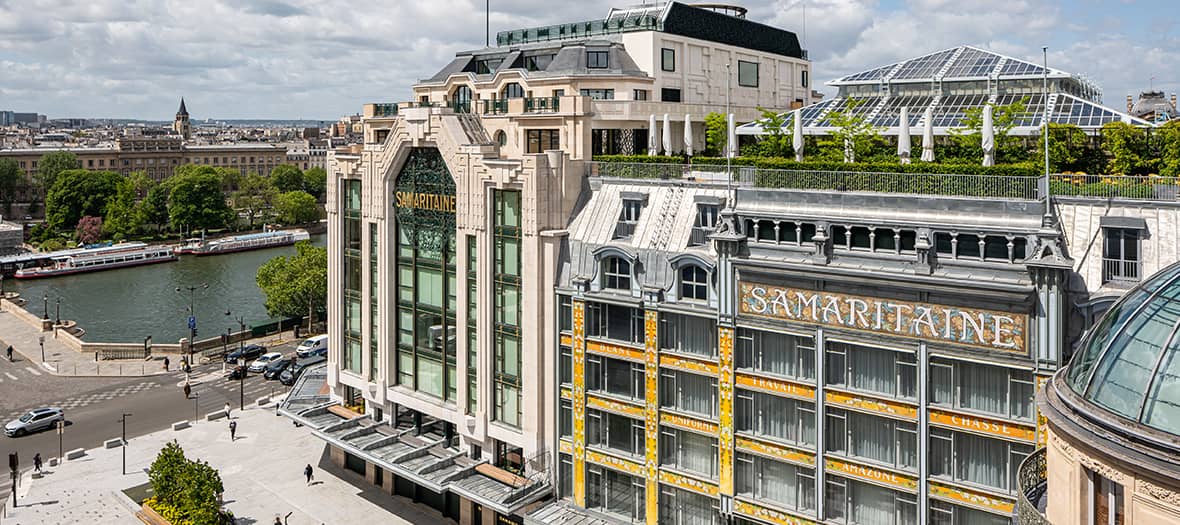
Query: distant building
[[7, 118], [11, 237], [1153, 107], [181, 125]]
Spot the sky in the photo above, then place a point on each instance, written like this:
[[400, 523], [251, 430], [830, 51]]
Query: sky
[[315, 59]]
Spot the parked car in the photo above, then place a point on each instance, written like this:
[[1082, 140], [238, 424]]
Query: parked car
[[34, 420], [245, 354], [292, 372], [237, 372], [276, 367], [316, 345], [260, 364]]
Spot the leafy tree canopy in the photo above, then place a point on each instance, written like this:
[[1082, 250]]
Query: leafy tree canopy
[[50, 166], [286, 178], [10, 176], [296, 285], [78, 193], [196, 201], [296, 207], [315, 182]]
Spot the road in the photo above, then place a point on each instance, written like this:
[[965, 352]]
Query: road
[[94, 406]]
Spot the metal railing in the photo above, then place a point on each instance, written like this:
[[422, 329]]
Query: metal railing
[[1119, 270], [542, 104], [113, 354], [578, 30], [946, 184], [1032, 477], [496, 106], [1122, 187], [385, 110]]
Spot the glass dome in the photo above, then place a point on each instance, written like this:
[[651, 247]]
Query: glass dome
[[1129, 364]]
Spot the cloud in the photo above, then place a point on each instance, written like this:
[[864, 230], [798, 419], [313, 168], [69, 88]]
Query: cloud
[[315, 59]]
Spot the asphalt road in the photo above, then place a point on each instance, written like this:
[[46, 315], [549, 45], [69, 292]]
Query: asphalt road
[[93, 416]]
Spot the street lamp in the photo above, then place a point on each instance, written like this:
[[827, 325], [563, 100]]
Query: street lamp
[[192, 319], [58, 311], [196, 406], [45, 306], [123, 420], [41, 341], [241, 327]]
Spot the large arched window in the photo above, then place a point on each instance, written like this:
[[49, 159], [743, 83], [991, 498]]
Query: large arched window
[[461, 98], [501, 138], [694, 283], [512, 90], [616, 274]]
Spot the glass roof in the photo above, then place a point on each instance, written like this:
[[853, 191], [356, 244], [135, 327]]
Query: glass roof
[[972, 63], [1129, 364], [923, 67], [961, 62]]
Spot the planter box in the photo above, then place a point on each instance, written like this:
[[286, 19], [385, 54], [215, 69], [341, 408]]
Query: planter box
[[150, 517]]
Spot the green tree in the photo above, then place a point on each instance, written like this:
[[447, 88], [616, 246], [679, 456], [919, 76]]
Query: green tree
[[296, 207], [196, 202], [1068, 147], [1004, 118], [777, 140], [1168, 140], [1128, 149], [153, 209], [141, 183], [286, 178], [121, 218], [315, 182], [78, 193], [50, 166], [851, 131], [166, 472], [10, 175], [255, 197], [716, 133], [185, 491], [296, 285]]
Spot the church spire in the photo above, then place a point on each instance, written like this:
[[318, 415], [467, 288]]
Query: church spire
[[182, 110]]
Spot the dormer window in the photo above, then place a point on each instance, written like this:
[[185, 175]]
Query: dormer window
[[694, 283], [629, 216], [538, 62], [706, 216], [513, 90], [596, 59], [616, 274]]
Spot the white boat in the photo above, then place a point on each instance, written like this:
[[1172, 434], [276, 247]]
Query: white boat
[[106, 258], [241, 243]]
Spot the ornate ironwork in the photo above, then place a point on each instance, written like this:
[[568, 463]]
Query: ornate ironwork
[[428, 227], [1032, 477]]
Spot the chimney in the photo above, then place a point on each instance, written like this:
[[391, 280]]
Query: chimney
[[1173, 101], [1129, 104]]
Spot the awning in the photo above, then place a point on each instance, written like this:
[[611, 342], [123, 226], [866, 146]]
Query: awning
[[1126, 223], [563, 513]]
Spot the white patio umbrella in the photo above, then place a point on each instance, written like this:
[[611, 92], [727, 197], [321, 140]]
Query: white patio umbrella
[[989, 137], [797, 136], [688, 135], [849, 151], [903, 136], [667, 135], [928, 136], [653, 141], [731, 145]]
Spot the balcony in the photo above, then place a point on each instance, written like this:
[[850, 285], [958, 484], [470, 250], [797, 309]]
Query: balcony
[[1030, 508], [1121, 271], [542, 104], [1116, 187]]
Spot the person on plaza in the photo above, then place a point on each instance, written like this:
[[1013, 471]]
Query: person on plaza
[[187, 390], [278, 520], [9, 352], [37, 462], [307, 472], [233, 429], [227, 409], [165, 363], [188, 369]]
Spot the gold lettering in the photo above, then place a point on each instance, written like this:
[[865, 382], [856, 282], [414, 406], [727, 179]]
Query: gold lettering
[[425, 201]]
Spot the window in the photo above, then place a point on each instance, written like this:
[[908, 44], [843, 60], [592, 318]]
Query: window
[[599, 94], [509, 458], [1106, 501], [541, 140], [668, 59], [670, 95], [632, 209], [565, 476], [877, 439], [506, 288], [501, 138], [779, 418], [689, 451], [640, 94], [565, 313], [784, 484], [781, 232], [1120, 255], [688, 334], [616, 494], [597, 59], [538, 62], [566, 365], [616, 274], [852, 502], [617, 433], [786, 355], [694, 283], [566, 421], [706, 216], [512, 90], [747, 74], [945, 513], [688, 392], [975, 459], [612, 321], [994, 390], [484, 67], [803, 78], [687, 508], [615, 377], [873, 370]]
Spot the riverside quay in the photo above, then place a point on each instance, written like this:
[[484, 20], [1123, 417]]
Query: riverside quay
[[521, 334]]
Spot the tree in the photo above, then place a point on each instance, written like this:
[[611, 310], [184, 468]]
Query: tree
[[255, 196], [776, 142], [716, 134], [1127, 146], [78, 193], [89, 229], [153, 209], [121, 218], [185, 491], [296, 207], [296, 285], [1004, 118], [50, 166], [286, 178], [196, 202], [10, 176], [1068, 146], [1168, 140], [315, 182], [852, 131]]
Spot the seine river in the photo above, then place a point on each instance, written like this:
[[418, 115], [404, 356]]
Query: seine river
[[130, 304]]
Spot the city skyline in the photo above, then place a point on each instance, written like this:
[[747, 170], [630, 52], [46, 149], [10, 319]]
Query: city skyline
[[300, 60]]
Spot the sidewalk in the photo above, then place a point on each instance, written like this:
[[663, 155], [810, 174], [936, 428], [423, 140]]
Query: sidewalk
[[262, 472], [24, 340]]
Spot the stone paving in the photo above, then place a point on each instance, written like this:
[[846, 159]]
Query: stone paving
[[262, 471]]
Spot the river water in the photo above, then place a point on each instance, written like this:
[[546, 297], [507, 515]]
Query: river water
[[130, 304]]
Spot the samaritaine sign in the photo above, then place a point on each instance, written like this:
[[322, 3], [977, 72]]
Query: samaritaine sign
[[990, 329]]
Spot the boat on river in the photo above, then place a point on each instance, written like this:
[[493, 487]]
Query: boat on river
[[122, 255], [241, 243]]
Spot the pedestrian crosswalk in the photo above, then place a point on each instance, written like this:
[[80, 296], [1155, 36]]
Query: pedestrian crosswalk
[[84, 400]]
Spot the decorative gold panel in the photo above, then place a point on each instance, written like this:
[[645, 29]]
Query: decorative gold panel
[[725, 399], [651, 413], [618, 407], [980, 425], [776, 386], [689, 423], [773, 450], [871, 474], [971, 498], [620, 464], [871, 404], [753, 510], [689, 484], [579, 395], [613, 350], [688, 365]]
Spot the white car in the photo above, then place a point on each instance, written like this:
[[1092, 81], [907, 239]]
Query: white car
[[34, 420], [265, 359]]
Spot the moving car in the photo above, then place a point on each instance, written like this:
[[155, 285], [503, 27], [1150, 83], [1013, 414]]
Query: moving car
[[276, 367], [316, 345], [265, 359], [292, 372], [237, 373], [34, 420], [245, 354]]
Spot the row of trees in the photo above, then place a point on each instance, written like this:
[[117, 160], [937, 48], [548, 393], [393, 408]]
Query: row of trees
[[104, 204], [1119, 148]]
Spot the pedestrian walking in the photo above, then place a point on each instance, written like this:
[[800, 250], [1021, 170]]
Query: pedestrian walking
[[278, 520], [37, 462], [227, 409], [233, 429], [187, 390], [307, 472], [9, 352], [165, 363]]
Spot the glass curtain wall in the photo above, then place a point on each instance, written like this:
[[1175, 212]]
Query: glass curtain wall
[[353, 320], [472, 317], [374, 312], [507, 303], [786, 485]]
